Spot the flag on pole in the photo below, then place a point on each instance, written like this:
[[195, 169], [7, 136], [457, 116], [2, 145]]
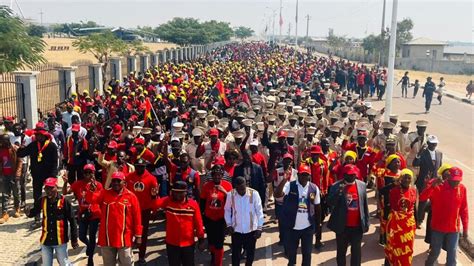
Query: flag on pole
[[222, 96], [281, 20], [266, 28], [148, 108]]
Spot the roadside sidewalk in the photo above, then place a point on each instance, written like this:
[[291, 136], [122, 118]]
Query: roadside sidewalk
[[459, 96]]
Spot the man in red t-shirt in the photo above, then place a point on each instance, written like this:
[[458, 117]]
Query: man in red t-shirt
[[88, 213], [213, 196], [350, 214], [145, 186]]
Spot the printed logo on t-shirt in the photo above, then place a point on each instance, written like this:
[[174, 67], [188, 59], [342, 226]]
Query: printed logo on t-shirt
[[302, 207], [352, 202]]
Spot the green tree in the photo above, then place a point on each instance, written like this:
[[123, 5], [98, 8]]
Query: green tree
[[337, 42], [184, 31], [243, 32], [136, 47], [373, 43], [101, 46], [36, 30], [18, 50]]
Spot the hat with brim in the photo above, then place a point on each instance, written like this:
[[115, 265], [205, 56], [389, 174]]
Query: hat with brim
[[455, 173]]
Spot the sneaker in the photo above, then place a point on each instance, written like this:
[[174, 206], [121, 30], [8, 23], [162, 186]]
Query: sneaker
[[17, 213], [22, 205], [4, 218], [36, 224]]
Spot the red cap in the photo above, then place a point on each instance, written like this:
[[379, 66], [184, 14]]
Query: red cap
[[118, 175], [219, 160], [51, 182], [89, 104], [282, 134], [140, 141], [316, 149], [9, 118], [213, 132], [112, 144], [350, 169], [117, 130], [287, 156], [89, 167], [75, 127], [304, 168], [456, 174]]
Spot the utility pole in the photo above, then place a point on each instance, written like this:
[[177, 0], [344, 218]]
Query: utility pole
[[382, 34], [41, 16], [307, 25], [296, 27], [391, 61], [273, 26], [280, 22]]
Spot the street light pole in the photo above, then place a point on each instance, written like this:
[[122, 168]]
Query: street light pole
[[296, 26], [391, 61]]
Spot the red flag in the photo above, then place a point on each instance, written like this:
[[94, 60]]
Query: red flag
[[220, 88], [281, 20], [148, 107]]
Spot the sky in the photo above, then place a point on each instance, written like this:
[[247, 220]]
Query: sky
[[448, 20]]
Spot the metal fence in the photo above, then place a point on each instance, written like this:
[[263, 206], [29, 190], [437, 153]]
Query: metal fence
[[47, 86], [82, 74], [11, 93]]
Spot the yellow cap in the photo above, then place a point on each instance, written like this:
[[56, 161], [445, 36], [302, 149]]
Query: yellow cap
[[406, 171], [391, 158], [351, 154], [443, 167]]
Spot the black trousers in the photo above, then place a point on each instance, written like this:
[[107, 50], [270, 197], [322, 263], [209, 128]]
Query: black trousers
[[306, 237], [87, 234], [146, 216], [180, 256], [428, 99], [215, 232], [74, 173], [245, 241], [351, 236]]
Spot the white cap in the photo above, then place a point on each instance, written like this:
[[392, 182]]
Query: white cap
[[432, 139], [368, 104], [254, 142]]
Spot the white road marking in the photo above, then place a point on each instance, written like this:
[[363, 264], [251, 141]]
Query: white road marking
[[268, 252]]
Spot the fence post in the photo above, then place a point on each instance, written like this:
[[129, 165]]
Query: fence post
[[155, 58], [95, 79], [115, 68], [171, 54], [176, 55], [29, 100], [132, 63], [144, 62], [67, 82]]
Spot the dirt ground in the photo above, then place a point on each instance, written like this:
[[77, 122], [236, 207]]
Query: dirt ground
[[455, 83], [60, 50]]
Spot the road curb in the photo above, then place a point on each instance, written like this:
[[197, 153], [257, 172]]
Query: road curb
[[467, 246], [459, 98]]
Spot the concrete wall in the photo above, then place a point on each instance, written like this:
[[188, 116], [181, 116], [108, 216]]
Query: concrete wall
[[419, 51], [441, 66]]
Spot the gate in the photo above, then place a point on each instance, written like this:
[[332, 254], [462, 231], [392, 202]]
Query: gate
[[48, 87], [82, 74], [11, 93]]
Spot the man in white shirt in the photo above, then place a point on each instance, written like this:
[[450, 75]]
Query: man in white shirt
[[67, 116], [243, 215], [301, 209]]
